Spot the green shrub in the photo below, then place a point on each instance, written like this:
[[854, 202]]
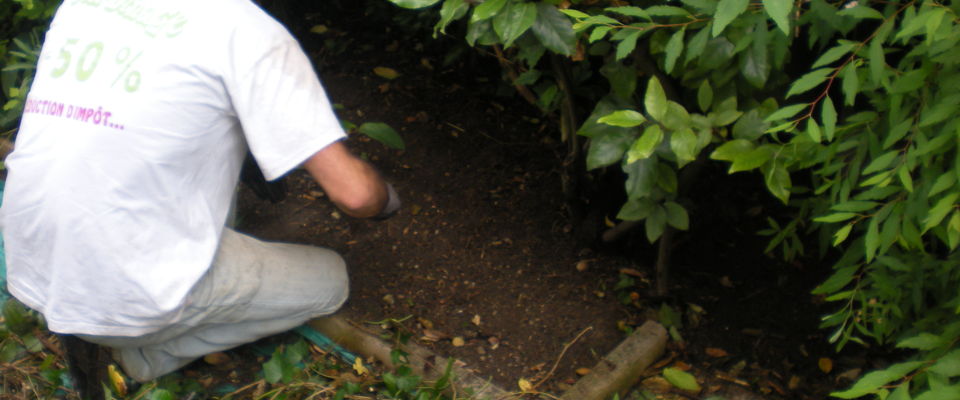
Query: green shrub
[[847, 110]]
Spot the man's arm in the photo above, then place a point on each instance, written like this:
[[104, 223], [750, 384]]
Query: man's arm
[[353, 185]]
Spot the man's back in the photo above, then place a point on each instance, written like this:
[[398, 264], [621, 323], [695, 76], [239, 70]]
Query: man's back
[[130, 148]]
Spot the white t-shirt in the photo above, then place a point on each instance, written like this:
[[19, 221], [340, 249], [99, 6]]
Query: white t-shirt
[[130, 148]]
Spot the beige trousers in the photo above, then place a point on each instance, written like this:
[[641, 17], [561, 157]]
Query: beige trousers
[[253, 289]]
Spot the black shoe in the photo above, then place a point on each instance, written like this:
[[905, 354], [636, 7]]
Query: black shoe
[[88, 365]]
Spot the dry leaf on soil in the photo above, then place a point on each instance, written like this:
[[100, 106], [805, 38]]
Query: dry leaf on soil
[[386, 72], [716, 352]]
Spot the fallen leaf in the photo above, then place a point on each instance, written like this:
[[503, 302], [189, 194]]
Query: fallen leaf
[[431, 335], [426, 323], [494, 342], [525, 385], [850, 375], [716, 352], [726, 282], [582, 371], [794, 383], [681, 380], [632, 272], [359, 367], [319, 29], [415, 209], [389, 299], [217, 358], [582, 265], [476, 320], [116, 380], [825, 364], [458, 342], [386, 72], [608, 222], [426, 64]]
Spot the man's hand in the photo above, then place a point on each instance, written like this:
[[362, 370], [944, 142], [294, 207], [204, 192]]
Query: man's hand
[[353, 185]]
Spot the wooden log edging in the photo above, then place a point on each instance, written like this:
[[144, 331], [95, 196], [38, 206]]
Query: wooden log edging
[[620, 369], [465, 384]]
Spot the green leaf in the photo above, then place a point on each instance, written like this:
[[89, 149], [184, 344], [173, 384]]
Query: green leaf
[[513, 21], [909, 81], [855, 206], [872, 382], [655, 223], [786, 112], [834, 54], [752, 159], [681, 379], [630, 12], [779, 12], [667, 11], [829, 116], [851, 84], [840, 279], [599, 33], [674, 48], [608, 149], [677, 216], [683, 143], [904, 174], [881, 162], [705, 95], [948, 365], [897, 133], [877, 61], [813, 130], [755, 65], [635, 210], [727, 11], [452, 10], [842, 234], [481, 33], [626, 46], [924, 341], [943, 182], [750, 126], [939, 211], [861, 12], [872, 241], [273, 369], [729, 151], [835, 217], [677, 117], [778, 182], [697, 44], [414, 4], [655, 99], [487, 9], [623, 118], [382, 133], [809, 81], [568, 11], [554, 30], [940, 111], [641, 178], [645, 145]]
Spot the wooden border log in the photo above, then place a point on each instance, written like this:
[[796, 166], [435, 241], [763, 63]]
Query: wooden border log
[[620, 369], [431, 367]]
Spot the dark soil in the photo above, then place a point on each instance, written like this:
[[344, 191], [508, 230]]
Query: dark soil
[[485, 249]]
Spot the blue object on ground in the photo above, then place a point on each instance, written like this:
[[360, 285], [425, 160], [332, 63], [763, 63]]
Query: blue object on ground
[[325, 343]]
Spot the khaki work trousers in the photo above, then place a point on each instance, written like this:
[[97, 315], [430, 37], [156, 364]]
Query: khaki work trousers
[[253, 289]]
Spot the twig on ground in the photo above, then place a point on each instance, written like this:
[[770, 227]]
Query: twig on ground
[[562, 353]]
